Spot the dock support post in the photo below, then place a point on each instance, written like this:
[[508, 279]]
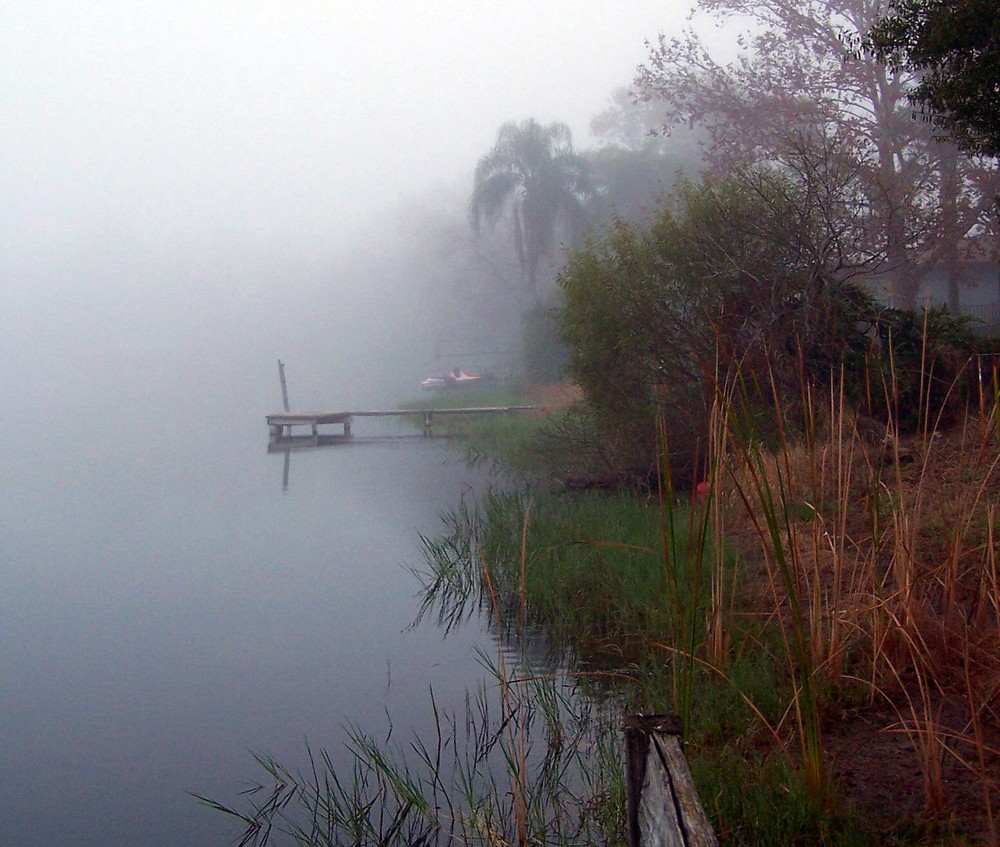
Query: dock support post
[[347, 427], [427, 423], [663, 805], [284, 387]]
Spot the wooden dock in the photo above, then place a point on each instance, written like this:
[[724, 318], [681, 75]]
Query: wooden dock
[[280, 423]]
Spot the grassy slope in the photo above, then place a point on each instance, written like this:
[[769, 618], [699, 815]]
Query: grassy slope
[[898, 657]]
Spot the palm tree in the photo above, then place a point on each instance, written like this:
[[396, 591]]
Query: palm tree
[[533, 176]]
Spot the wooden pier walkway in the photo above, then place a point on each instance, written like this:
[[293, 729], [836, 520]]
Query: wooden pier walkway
[[280, 423]]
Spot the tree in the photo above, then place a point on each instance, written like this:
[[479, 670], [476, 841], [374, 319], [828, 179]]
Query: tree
[[533, 177], [743, 275], [955, 46], [800, 72], [637, 165], [741, 285]]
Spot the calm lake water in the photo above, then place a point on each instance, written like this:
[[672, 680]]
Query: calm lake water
[[165, 607]]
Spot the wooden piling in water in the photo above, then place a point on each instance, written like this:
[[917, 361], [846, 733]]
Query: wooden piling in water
[[663, 806], [284, 385]]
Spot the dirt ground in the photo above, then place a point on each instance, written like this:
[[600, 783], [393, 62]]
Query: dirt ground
[[875, 766], [554, 397], [949, 483]]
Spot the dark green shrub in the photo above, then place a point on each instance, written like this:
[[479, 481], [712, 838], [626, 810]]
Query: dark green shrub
[[919, 369], [730, 285]]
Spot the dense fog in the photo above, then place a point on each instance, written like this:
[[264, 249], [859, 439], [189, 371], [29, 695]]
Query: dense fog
[[192, 191]]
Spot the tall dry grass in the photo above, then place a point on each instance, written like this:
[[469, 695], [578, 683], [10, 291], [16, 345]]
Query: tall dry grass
[[877, 561]]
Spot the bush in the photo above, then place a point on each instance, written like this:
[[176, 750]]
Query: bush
[[728, 283], [918, 367]]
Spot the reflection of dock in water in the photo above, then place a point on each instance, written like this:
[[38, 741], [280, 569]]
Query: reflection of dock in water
[[304, 442], [283, 441], [295, 443], [298, 443], [280, 423]]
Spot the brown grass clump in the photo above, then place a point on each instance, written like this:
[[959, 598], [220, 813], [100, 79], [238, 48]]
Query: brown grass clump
[[878, 555]]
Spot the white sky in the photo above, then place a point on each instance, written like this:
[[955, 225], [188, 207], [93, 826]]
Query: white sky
[[179, 120]]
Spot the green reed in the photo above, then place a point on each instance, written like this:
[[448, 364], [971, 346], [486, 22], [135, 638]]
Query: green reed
[[454, 787]]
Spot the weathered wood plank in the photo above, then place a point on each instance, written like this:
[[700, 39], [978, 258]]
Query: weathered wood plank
[[698, 830], [663, 806], [660, 825], [306, 418]]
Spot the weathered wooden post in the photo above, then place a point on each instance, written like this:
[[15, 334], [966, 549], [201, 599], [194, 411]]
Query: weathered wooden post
[[428, 417], [284, 387], [663, 805]]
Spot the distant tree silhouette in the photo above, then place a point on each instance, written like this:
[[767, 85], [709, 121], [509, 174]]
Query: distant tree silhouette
[[533, 178], [636, 164]]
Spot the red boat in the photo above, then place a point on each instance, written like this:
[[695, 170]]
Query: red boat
[[455, 378]]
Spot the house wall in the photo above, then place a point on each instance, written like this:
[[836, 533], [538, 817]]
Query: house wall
[[979, 286]]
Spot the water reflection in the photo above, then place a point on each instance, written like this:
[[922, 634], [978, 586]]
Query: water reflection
[[526, 761], [164, 609], [457, 588], [525, 757], [288, 444]]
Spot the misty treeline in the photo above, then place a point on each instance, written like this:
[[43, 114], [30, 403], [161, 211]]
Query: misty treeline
[[802, 73], [768, 209], [780, 198], [486, 258]]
